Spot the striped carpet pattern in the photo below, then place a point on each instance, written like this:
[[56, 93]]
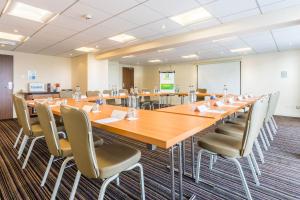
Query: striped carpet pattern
[[280, 177]]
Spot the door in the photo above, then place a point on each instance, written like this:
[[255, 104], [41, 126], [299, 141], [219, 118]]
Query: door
[[6, 87], [128, 78]]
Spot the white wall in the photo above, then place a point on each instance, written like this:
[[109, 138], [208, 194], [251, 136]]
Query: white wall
[[50, 69], [262, 74], [79, 72], [97, 73]]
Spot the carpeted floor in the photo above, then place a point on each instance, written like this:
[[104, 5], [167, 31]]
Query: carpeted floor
[[280, 177]]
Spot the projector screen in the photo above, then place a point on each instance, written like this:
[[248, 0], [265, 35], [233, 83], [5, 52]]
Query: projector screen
[[214, 76]]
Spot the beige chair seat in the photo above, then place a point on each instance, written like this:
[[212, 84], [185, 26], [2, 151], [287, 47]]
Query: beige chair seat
[[65, 147], [233, 130], [115, 158], [221, 144], [238, 121], [36, 130]]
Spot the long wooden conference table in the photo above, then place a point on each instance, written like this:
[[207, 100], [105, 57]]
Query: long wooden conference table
[[166, 128]]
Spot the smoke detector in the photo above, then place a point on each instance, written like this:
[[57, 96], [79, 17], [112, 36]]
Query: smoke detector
[[87, 16]]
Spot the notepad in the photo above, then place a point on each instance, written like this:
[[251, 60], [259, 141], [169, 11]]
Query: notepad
[[105, 95], [87, 108], [230, 100], [219, 103], [216, 111], [122, 94], [231, 106], [83, 96], [107, 120], [116, 115], [201, 108]]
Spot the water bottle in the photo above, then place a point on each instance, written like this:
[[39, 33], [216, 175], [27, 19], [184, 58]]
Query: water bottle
[[225, 93]]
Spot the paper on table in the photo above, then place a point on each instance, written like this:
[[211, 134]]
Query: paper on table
[[201, 108], [219, 103], [216, 111], [107, 120], [231, 106], [105, 95], [122, 94]]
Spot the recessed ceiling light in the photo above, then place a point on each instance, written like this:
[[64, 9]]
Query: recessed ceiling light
[[165, 50], [86, 49], [240, 49], [26, 11], [7, 42], [192, 16], [190, 56], [129, 56], [154, 61], [10, 36], [224, 39], [122, 38], [27, 38]]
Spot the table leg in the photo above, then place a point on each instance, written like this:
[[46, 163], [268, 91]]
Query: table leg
[[180, 190], [193, 156], [172, 173], [183, 155]]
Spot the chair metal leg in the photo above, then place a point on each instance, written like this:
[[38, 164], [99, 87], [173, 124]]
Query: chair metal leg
[[238, 165], [198, 165], [211, 162], [269, 131], [141, 181], [118, 181], [259, 151], [22, 147], [47, 170], [61, 171], [30, 150], [104, 185], [255, 164], [273, 120], [265, 136], [253, 170], [18, 138], [263, 141], [75, 185], [274, 130]]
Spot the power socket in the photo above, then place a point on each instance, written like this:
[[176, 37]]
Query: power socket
[[298, 107]]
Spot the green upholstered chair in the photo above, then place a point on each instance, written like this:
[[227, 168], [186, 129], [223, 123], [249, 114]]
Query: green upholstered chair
[[105, 162]]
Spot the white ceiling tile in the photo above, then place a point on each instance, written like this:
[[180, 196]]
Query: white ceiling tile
[[203, 24], [205, 2], [279, 5], [111, 6], [141, 32], [172, 7], [70, 23], [145, 15], [224, 8], [118, 25], [79, 10], [22, 25], [52, 6], [240, 15], [267, 2], [260, 42], [163, 26], [287, 38]]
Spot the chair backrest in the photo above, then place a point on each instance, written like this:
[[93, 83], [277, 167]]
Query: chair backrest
[[78, 127], [48, 125], [273, 100], [23, 115], [92, 93], [253, 125], [109, 101], [17, 110], [201, 90], [66, 94], [123, 91]]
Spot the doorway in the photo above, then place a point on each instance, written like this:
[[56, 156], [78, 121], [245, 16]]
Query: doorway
[[128, 78], [6, 87]]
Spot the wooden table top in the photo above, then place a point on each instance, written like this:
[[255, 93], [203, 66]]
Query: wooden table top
[[216, 112], [157, 128]]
